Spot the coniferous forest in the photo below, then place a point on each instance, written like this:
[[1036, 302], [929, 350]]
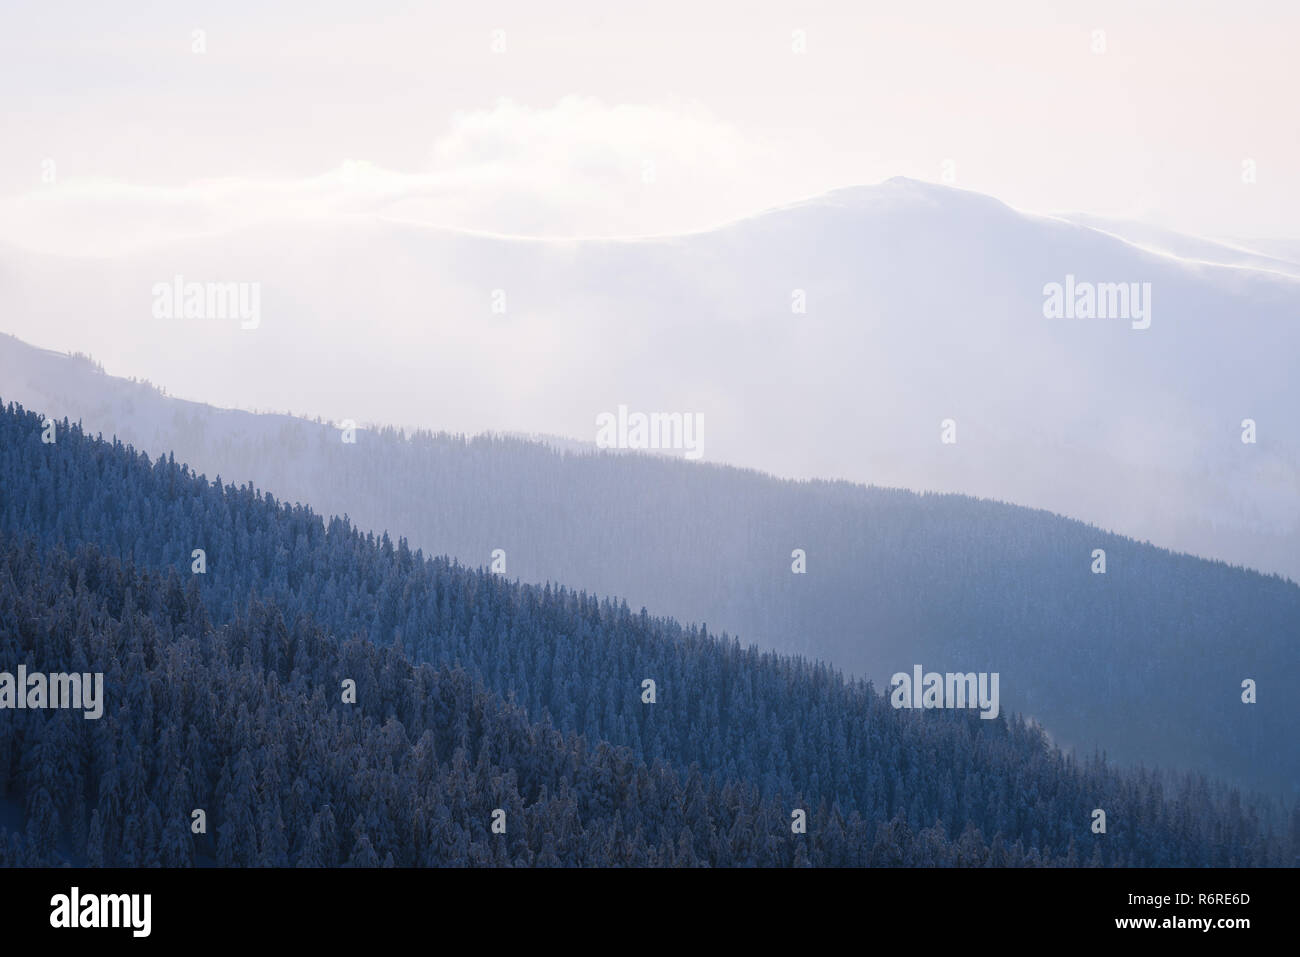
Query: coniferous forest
[[474, 698], [1104, 662]]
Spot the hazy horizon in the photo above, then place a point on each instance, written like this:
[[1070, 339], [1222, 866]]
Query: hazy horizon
[[128, 126]]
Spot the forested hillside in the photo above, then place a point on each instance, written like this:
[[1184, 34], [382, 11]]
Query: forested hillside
[[223, 693], [1144, 662]]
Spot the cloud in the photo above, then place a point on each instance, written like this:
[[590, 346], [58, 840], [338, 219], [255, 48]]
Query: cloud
[[590, 168], [577, 168]]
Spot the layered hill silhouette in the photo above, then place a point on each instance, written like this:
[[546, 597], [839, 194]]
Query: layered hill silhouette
[[826, 339], [1145, 662], [222, 694]]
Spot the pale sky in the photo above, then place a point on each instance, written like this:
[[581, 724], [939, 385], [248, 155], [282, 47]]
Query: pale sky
[[628, 119]]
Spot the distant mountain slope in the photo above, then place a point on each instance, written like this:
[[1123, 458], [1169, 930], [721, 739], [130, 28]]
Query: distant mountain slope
[[1145, 661], [1272, 257], [921, 303], [222, 691]]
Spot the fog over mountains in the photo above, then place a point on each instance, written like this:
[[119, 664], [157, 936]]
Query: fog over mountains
[[1144, 662], [923, 303], [810, 435]]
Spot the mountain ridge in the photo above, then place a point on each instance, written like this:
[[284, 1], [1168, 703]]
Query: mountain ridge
[[894, 577]]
